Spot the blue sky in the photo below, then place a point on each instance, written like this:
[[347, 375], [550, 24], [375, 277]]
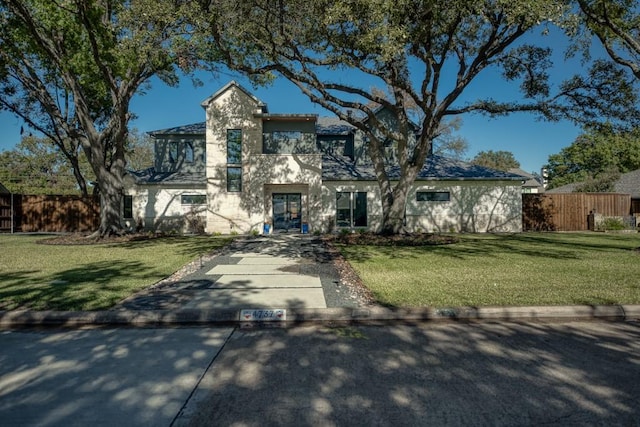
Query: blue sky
[[530, 140]]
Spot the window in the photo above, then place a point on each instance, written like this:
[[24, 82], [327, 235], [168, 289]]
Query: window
[[433, 196], [288, 142], [234, 179], [127, 207], [234, 146], [188, 152], [173, 152], [234, 160], [351, 209], [194, 199]]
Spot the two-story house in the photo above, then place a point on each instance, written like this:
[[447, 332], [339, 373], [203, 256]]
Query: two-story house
[[244, 167]]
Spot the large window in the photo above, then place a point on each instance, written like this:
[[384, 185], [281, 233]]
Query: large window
[[433, 196], [288, 142], [188, 152], [234, 160], [351, 209]]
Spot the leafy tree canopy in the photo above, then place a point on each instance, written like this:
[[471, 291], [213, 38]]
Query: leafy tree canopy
[[426, 52], [78, 63], [595, 157], [499, 160]]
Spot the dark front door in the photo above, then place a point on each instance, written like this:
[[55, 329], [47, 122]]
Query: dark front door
[[287, 212]]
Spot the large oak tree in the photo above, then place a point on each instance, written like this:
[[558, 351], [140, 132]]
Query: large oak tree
[[80, 62], [427, 52]]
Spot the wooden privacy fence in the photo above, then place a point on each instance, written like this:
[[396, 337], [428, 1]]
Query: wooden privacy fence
[[39, 213], [570, 211]]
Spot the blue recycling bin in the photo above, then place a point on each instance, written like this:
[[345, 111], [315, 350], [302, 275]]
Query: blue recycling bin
[[305, 228], [266, 228]]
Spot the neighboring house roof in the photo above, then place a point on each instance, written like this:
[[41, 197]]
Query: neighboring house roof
[[530, 182], [628, 183], [150, 176], [226, 87], [339, 168], [199, 128], [4, 190], [333, 126]]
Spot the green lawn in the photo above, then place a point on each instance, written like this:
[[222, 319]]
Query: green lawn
[[521, 269], [88, 277]]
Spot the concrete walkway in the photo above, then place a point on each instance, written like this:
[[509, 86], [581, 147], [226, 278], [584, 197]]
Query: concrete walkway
[[262, 278], [272, 272]]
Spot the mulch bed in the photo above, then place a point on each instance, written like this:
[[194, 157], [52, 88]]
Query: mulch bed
[[370, 239]]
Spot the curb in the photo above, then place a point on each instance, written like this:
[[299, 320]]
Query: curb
[[364, 315]]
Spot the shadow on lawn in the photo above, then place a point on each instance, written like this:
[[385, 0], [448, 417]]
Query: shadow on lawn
[[544, 246], [92, 286]]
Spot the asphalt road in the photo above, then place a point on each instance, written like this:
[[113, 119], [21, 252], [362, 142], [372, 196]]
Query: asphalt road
[[493, 374]]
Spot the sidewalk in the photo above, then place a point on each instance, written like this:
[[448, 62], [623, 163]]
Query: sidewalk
[[297, 274]]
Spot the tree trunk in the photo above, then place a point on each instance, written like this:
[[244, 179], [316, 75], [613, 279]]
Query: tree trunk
[[394, 204], [110, 214]]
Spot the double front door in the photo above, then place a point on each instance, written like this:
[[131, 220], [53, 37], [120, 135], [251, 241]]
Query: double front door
[[287, 211]]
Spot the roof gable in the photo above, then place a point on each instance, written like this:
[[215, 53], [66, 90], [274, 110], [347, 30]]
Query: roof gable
[[231, 86]]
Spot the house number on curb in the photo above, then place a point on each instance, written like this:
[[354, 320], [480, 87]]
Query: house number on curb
[[253, 315]]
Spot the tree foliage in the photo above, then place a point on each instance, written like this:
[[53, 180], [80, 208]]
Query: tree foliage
[[426, 52], [616, 23], [595, 158], [499, 160], [78, 63], [35, 166]]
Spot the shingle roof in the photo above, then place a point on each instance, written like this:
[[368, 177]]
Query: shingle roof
[[333, 126], [530, 180], [628, 183], [339, 168], [199, 128], [150, 176]]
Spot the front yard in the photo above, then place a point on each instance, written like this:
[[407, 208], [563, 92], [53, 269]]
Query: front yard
[[471, 270], [88, 277], [520, 269]]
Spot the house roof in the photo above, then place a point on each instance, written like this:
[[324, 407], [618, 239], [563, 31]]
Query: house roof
[[150, 176], [3, 189], [199, 128], [333, 126], [340, 168], [627, 183], [530, 181]]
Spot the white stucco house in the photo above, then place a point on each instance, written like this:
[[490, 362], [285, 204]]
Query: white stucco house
[[244, 168]]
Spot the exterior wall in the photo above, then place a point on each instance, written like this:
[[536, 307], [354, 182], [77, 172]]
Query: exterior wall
[[262, 174], [473, 207], [157, 208]]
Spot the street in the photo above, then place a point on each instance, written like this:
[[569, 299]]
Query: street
[[572, 373]]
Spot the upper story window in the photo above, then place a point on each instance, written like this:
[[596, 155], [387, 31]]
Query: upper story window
[[234, 146], [173, 151], [188, 152], [234, 160], [288, 142]]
